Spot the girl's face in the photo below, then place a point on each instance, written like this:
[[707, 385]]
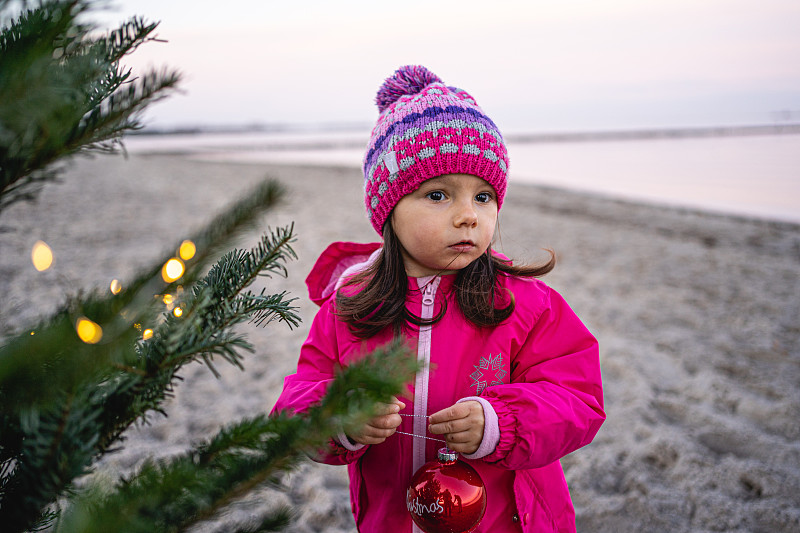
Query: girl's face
[[445, 224]]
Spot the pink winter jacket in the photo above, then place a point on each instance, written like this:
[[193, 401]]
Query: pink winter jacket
[[537, 376]]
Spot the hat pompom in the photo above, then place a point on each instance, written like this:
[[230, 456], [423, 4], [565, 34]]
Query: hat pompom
[[409, 79]]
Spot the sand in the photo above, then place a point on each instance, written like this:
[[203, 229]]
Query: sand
[[696, 314]]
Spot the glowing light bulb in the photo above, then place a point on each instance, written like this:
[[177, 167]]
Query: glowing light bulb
[[146, 334], [116, 286], [168, 299], [33, 333], [177, 312], [88, 331], [187, 250], [42, 256], [172, 270]]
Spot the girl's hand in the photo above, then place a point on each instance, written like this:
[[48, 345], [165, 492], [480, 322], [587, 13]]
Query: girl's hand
[[461, 424], [382, 425]]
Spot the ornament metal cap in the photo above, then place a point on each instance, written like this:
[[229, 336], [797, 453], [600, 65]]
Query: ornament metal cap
[[446, 455]]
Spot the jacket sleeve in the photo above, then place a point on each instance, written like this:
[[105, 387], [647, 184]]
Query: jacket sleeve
[[554, 403], [315, 371]]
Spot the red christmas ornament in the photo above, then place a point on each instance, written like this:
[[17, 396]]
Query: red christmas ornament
[[446, 495]]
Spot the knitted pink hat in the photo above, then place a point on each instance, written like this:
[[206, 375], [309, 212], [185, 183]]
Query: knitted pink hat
[[427, 129]]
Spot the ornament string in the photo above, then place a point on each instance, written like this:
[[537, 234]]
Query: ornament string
[[415, 435]]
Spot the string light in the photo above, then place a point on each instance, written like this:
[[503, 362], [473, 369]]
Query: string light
[[172, 270], [116, 286], [88, 331], [177, 312], [42, 256], [168, 299], [146, 334], [187, 250]]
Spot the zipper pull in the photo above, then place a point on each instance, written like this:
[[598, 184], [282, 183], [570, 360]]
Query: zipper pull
[[427, 295]]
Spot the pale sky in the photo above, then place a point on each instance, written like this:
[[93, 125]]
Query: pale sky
[[533, 65]]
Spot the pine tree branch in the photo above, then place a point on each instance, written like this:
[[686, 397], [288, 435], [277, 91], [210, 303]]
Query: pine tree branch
[[179, 492], [265, 309], [62, 91], [59, 445], [203, 331], [102, 126], [127, 38]]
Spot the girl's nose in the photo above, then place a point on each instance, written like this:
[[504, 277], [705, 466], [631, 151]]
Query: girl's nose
[[465, 215]]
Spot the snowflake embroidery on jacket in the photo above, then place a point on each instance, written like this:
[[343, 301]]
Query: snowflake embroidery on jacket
[[489, 368]]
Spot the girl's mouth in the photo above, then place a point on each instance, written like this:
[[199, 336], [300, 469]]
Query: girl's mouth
[[463, 246]]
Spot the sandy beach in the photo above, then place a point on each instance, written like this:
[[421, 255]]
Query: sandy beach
[[696, 314]]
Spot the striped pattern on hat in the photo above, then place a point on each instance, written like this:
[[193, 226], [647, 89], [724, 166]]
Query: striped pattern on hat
[[427, 129]]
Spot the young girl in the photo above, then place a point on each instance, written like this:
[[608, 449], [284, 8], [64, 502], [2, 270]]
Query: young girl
[[511, 377]]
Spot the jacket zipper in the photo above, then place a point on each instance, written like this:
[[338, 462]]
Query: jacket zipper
[[430, 286]]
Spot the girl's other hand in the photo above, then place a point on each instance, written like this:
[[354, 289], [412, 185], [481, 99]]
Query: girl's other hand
[[382, 425], [461, 424]]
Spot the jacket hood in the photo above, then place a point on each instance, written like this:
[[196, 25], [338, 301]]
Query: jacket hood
[[339, 261]]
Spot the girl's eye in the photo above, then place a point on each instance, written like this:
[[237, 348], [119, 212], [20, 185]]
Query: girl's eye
[[483, 197], [436, 196]]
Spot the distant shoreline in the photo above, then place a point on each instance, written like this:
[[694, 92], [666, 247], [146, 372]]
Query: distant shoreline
[[544, 137]]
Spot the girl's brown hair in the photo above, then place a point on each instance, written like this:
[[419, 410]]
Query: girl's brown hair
[[380, 298]]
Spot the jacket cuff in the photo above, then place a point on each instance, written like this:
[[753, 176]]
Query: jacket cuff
[[507, 425], [491, 429], [345, 443]]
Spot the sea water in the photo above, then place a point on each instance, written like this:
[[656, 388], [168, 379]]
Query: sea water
[[749, 175]]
